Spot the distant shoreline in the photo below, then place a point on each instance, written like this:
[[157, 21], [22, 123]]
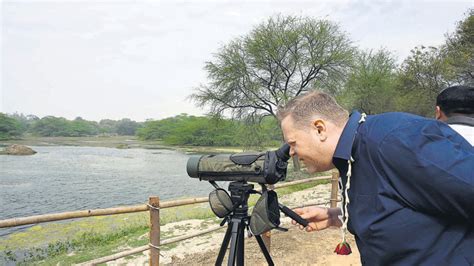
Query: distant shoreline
[[119, 142]]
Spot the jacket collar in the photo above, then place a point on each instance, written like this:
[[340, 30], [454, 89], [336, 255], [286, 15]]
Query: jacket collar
[[343, 150], [461, 120]]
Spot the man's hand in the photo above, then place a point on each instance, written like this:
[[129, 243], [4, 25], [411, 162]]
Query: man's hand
[[319, 218]]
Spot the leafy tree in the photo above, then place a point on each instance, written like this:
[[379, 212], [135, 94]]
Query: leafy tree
[[159, 129], [80, 127], [260, 135], [50, 126], [223, 131], [189, 130], [276, 61], [25, 121], [459, 51], [422, 76], [210, 131], [428, 70], [126, 127], [371, 86], [9, 127], [108, 126]]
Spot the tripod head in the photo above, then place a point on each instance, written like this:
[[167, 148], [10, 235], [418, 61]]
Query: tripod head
[[240, 192], [225, 206]]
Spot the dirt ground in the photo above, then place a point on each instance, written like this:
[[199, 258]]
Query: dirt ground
[[294, 247]]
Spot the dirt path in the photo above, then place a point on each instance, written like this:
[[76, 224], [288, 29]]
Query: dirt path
[[294, 247]]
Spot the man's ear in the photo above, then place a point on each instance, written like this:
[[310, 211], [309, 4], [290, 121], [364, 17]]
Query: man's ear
[[321, 129], [438, 113]]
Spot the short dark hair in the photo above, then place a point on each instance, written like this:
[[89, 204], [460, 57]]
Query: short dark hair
[[456, 99]]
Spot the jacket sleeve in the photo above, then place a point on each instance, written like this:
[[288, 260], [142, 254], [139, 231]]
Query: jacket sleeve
[[431, 168]]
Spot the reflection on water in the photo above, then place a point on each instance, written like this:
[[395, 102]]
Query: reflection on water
[[64, 178]]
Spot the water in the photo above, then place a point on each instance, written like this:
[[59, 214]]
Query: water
[[65, 178]]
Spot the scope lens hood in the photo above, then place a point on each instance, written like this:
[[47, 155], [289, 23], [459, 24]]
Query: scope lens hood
[[192, 166]]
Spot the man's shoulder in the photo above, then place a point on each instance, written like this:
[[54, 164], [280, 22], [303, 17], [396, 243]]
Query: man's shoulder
[[396, 119], [407, 128], [377, 127]]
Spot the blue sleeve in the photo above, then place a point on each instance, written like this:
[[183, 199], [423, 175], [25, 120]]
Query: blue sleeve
[[431, 168]]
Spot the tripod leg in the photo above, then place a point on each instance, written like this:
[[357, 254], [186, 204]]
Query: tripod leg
[[264, 250], [240, 245], [233, 242], [225, 244]]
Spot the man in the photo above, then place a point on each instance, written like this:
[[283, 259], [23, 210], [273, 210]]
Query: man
[[409, 180], [455, 106]]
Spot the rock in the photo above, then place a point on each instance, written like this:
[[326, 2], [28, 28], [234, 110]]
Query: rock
[[122, 146], [18, 150]]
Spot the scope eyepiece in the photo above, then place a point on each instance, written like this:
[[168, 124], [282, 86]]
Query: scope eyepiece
[[284, 152]]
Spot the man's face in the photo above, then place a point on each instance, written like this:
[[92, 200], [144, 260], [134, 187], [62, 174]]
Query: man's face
[[311, 143]]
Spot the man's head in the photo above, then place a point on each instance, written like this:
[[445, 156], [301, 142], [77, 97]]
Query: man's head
[[456, 100], [312, 124]]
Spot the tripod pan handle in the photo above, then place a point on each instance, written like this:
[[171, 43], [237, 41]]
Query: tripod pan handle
[[288, 212]]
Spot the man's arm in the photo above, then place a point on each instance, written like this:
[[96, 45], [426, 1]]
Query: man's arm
[[431, 171]]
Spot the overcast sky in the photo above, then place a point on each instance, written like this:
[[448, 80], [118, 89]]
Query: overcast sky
[[141, 59]]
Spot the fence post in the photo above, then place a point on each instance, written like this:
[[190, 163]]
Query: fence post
[[334, 188], [154, 205]]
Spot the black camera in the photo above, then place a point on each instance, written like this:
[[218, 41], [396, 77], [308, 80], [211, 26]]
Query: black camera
[[263, 168]]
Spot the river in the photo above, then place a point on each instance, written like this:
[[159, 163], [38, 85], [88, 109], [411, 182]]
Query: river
[[69, 178]]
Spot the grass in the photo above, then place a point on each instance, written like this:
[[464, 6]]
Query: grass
[[88, 238], [92, 245]]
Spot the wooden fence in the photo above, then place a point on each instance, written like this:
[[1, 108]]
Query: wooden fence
[[153, 206]]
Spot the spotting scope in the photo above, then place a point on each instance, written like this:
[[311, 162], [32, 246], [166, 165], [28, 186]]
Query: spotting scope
[[262, 167]]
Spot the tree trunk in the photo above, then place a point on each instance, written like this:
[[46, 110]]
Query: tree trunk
[[296, 164]]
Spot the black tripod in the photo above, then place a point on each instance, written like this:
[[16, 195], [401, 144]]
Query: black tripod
[[237, 221]]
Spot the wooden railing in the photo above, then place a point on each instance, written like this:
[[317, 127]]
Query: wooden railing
[[154, 206]]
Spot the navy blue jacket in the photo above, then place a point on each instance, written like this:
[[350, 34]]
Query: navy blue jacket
[[412, 190]]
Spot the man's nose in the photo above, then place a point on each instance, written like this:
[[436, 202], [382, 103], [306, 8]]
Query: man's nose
[[292, 151]]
